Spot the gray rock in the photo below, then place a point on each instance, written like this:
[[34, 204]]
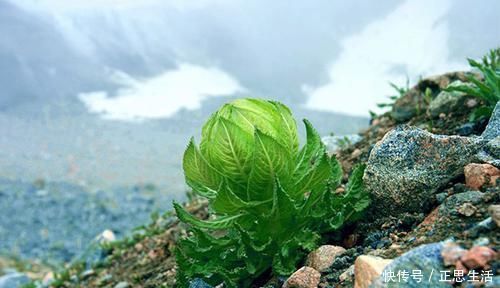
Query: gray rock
[[198, 283], [491, 152], [493, 128], [334, 143], [479, 228], [408, 166], [14, 280], [493, 147], [446, 102], [405, 107], [452, 204], [425, 258]]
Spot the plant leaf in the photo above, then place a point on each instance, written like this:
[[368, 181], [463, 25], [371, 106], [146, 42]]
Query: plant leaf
[[316, 177], [199, 175], [270, 161], [229, 149], [288, 129], [313, 149], [223, 222]]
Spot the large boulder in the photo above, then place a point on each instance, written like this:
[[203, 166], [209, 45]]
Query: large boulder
[[408, 166], [422, 265], [491, 152], [493, 128]]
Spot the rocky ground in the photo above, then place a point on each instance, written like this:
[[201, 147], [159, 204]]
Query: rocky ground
[[54, 222], [433, 176]]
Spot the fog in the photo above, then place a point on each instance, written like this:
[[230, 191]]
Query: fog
[[131, 81], [307, 52], [163, 95]]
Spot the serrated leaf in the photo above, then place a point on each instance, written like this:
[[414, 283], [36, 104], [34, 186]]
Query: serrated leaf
[[229, 150], [199, 175], [284, 208], [337, 172], [270, 117], [252, 114], [356, 199], [222, 222], [270, 161], [310, 207], [257, 241], [204, 239], [227, 201], [355, 192], [285, 262], [336, 221], [307, 240], [271, 200], [316, 177], [288, 128], [310, 152]]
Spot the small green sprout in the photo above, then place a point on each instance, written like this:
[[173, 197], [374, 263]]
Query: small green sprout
[[401, 91], [488, 90]]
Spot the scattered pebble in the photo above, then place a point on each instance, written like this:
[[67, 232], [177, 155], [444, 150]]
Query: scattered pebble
[[467, 209], [478, 257], [481, 241], [368, 268], [479, 175], [494, 211], [305, 277], [105, 279], [72, 214], [347, 275], [351, 240], [471, 103], [451, 253], [356, 153], [322, 258]]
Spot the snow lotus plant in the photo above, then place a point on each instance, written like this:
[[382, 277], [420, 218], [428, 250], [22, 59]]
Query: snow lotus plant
[[269, 199]]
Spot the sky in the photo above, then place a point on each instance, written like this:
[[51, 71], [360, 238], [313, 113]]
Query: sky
[[151, 59], [105, 93]]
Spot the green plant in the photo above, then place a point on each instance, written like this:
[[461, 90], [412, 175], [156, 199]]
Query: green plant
[[487, 91], [270, 200], [401, 91]]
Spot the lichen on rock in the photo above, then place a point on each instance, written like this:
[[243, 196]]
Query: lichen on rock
[[408, 166]]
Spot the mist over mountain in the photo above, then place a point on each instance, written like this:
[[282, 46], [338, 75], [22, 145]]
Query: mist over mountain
[[142, 76]]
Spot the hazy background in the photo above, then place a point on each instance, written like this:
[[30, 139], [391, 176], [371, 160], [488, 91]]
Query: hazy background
[[107, 93]]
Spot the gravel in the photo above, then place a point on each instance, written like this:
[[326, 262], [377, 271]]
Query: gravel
[[54, 222]]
